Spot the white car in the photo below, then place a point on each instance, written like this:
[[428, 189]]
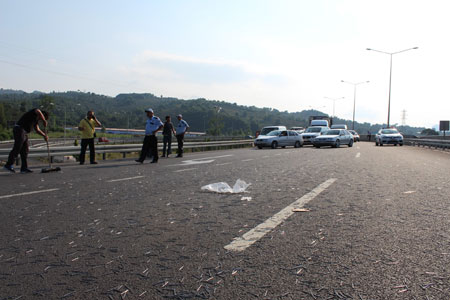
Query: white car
[[311, 132], [280, 138], [334, 138], [388, 136], [269, 129]]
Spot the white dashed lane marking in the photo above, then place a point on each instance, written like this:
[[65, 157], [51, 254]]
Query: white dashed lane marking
[[250, 159], [358, 155], [184, 170], [28, 193], [227, 163], [122, 179], [245, 241]]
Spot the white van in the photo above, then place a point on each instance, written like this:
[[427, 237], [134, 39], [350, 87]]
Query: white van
[[339, 126], [268, 129], [322, 123]]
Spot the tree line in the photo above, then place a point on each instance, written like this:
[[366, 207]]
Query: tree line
[[127, 111]]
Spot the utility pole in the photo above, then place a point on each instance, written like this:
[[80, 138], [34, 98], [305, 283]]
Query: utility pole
[[404, 117]]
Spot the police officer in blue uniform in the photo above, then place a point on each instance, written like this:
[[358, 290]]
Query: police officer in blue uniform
[[150, 143], [182, 127]]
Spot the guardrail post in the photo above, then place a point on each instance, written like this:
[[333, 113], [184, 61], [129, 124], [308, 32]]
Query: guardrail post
[[104, 156], [124, 154]]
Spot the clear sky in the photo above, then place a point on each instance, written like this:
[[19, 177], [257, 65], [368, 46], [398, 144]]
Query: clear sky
[[288, 55]]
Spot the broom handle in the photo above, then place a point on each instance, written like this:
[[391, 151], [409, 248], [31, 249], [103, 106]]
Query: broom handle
[[48, 148]]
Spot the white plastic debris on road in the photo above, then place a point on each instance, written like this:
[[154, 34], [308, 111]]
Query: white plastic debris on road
[[222, 187]]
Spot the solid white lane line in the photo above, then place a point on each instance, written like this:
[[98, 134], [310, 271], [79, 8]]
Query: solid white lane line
[[358, 154], [183, 170], [122, 179], [250, 237], [28, 193], [250, 159], [228, 163]]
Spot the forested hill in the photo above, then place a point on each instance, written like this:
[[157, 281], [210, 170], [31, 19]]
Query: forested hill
[[127, 111]]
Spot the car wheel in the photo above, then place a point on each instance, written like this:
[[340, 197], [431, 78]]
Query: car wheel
[[401, 144], [297, 144], [317, 146], [337, 144], [381, 144], [283, 147], [350, 144], [274, 145], [395, 145], [259, 147]]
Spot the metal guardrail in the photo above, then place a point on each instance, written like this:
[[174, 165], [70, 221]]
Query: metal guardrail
[[438, 144], [122, 148]]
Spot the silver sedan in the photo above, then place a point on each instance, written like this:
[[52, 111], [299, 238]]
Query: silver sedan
[[279, 138], [334, 138]]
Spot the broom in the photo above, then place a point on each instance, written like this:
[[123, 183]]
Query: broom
[[49, 169]]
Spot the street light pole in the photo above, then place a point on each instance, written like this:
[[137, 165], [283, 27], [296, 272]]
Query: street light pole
[[334, 102], [354, 97], [65, 123], [390, 75]]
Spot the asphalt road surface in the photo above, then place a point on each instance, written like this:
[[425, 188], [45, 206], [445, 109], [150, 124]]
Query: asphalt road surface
[[371, 223]]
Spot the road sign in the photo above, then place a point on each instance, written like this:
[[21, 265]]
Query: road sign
[[444, 125]]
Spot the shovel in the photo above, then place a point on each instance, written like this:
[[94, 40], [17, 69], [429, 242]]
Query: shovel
[[50, 168]]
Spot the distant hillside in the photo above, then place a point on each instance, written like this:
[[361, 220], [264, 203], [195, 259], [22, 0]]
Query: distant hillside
[[7, 91], [127, 110]]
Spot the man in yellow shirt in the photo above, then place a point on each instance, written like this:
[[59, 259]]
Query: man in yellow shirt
[[87, 128]]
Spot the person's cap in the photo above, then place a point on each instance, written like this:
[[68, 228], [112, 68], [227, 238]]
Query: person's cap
[[179, 116], [149, 110]]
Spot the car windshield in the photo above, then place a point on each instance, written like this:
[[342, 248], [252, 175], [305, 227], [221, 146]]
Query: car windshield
[[389, 131], [353, 132], [313, 129], [331, 132], [274, 133], [266, 130]]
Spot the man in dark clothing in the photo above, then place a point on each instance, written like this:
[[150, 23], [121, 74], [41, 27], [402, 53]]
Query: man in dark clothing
[[167, 137], [21, 130]]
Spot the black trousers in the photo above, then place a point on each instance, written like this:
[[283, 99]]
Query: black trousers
[[167, 141], [20, 147], [84, 144], [180, 140], [150, 144]]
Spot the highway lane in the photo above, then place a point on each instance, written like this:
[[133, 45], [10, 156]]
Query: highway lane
[[117, 229]]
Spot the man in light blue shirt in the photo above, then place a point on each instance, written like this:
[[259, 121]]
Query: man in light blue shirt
[[182, 127], [150, 143]]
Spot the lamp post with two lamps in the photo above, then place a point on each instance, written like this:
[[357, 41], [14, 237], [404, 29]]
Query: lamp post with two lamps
[[354, 97], [390, 75]]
